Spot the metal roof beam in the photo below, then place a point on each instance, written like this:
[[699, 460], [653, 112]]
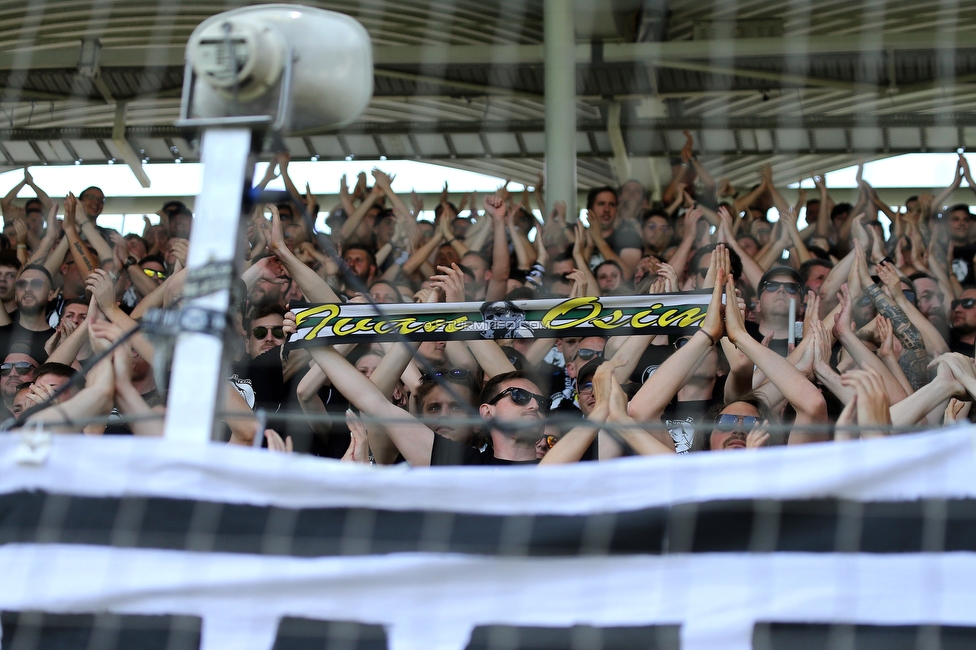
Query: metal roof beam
[[122, 144], [156, 56]]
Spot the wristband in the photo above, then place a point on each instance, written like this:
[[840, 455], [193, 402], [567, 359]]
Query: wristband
[[21, 245], [710, 338]]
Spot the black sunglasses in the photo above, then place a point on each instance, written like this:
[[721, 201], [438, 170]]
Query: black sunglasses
[[909, 294], [586, 388], [261, 331], [459, 374], [681, 342], [965, 303], [773, 286], [521, 397], [37, 284], [586, 354], [729, 422], [22, 368]]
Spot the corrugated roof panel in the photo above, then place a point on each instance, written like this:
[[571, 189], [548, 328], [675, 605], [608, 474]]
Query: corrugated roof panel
[[431, 145], [942, 138], [905, 138], [468, 144], [362, 146], [502, 143], [328, 147], [534, 142], [87, 149], [297, 147], [22, 152]]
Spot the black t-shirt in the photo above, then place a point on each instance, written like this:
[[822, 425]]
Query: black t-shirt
[[448, 452], [28, 341], [956, 345], [624, 236], [335, 444], [681, 418], [650, 361], [779, 346], [962, 263]]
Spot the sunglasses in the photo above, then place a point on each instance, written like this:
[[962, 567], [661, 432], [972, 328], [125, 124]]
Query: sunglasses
[[159, 275], [586, 388], [773, 286], [37, 284], [22, 368], [681, 342], [965, 303], [92, 197], [729, 422], [703, 271], [863, 301], [551, 441], [586, 354], [910, 295], [653, 226], [261, 331], [459, 374], [521, 397]]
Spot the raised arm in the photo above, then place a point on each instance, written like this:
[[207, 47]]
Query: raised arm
[[11, 211], [84, 260], [501, 261], [931, 337], [414, 440], [311, 283], [796, 388], [356, 218], [656, 393]]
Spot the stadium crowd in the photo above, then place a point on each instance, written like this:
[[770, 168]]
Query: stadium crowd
[[825, 333]]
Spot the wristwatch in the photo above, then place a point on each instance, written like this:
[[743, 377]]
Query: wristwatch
[[129, 262]]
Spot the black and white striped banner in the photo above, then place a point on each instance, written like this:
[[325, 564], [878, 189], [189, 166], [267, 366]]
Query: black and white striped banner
[[120, 541]]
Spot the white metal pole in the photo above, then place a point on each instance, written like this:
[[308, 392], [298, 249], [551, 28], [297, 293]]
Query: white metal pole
[[560, 105], [199, 371]]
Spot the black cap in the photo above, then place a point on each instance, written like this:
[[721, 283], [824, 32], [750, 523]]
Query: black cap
[[780, 270], [588, 370]]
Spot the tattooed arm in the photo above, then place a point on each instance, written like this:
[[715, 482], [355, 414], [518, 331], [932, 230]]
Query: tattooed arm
[[914, 359]]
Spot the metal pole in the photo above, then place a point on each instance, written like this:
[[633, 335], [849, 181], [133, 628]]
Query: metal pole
[[199, 375], [560, 105]]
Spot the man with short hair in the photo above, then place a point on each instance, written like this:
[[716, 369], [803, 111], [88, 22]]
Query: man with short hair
[[92, 201], [656, 232], [477, 287], [362, 263], [814, 272], [33, 290], [930, 300], [963, 333], [964, 248], [632, 201], [180, 219], [49, 377], [777, 287], [9, 268], [17, 367], [265, 331], [614, 241], [585, 350]]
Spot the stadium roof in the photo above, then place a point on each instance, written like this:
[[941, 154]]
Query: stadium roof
[[802, 85]]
